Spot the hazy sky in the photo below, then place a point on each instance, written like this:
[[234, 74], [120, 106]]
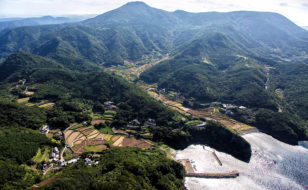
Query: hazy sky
[[295, 10]]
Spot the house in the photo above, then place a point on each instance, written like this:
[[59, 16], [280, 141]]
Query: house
[[52, 155], [44, 167], [84, 123], [200, 125], [229, 112], [60, 134], [45, 129], [112, 107], [242, 107], [108, 103], [227, 106], [151, 122], [135, 122], [60, 163], [73, 160], [56, 150]]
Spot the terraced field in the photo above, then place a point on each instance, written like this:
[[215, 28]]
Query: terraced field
[[86, 138]]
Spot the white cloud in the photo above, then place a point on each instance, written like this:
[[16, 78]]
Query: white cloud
[[296, 10]]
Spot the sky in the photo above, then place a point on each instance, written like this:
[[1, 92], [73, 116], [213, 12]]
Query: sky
[[295, 10]]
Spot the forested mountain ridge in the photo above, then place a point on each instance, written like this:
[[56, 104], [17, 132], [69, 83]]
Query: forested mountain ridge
[[45, 20], [136, 29]]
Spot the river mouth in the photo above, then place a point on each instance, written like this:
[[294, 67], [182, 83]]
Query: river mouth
[[273, 165]]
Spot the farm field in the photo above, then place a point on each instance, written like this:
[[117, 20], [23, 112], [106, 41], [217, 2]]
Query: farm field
[[208, 114], [82, 139], [23, 100], [47, 105]]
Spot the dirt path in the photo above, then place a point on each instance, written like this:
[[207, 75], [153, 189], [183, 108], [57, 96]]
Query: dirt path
[[145, 67], [62, 152], [46, 181]]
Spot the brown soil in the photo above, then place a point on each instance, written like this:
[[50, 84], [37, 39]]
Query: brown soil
[[132, 142], [98, 121], [119, 141], [82, 129], [67, 133], [20, 100], [49, 135], [87, 132], [94, 134], [71, 138], [46, 181], [29, 93]]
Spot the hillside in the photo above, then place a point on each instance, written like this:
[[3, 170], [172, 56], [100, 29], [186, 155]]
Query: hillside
[[135, 29], [45, 20]]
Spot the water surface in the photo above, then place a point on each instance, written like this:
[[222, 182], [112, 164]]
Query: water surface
[[273, 165]]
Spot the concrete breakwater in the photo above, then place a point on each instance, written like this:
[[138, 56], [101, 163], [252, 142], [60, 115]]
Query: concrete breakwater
[[216, 157], [232, 174]]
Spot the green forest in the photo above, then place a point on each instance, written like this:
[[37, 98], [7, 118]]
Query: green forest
[[124, 168]]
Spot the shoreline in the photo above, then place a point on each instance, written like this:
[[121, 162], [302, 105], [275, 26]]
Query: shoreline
[[255, 130]]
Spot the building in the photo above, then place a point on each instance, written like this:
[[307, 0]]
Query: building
[[229, 112], [45, 129], [73, 160], [108, 103], [56, 150], [60, 134], [200, 125], [52, 155]]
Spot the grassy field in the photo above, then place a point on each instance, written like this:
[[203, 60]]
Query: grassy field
[[45, 156], [93, 148], [41, 156], [37, 158], [76, 126], [47, 105], [106, 130], [279, 93], [96, 116], [108, 137], [110, 112]]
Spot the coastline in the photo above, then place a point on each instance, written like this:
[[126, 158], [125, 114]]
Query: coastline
[[254, 130]]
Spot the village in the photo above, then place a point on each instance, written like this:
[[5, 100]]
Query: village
[[85, 141]]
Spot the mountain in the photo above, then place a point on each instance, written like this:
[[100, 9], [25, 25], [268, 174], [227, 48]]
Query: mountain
[[56, 75], [135, 29], [45, 20], [305, 27], [229, 57]]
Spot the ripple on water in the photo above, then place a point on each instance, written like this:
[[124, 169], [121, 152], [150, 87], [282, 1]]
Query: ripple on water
[[273, 165]]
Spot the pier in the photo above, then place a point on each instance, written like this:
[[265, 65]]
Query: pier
[[216, 157], [232, 174], [191, 170]]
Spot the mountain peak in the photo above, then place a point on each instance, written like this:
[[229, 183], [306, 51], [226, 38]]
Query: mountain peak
[[135, 3]]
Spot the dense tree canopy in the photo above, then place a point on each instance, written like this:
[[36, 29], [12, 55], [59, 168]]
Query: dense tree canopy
[[124, 168]]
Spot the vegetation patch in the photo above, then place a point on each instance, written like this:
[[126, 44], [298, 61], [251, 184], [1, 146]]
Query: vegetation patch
[[95, 148], [38, 157], [47, 105], [141, 169]]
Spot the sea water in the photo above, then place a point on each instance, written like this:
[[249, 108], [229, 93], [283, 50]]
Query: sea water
[[273, 165]]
